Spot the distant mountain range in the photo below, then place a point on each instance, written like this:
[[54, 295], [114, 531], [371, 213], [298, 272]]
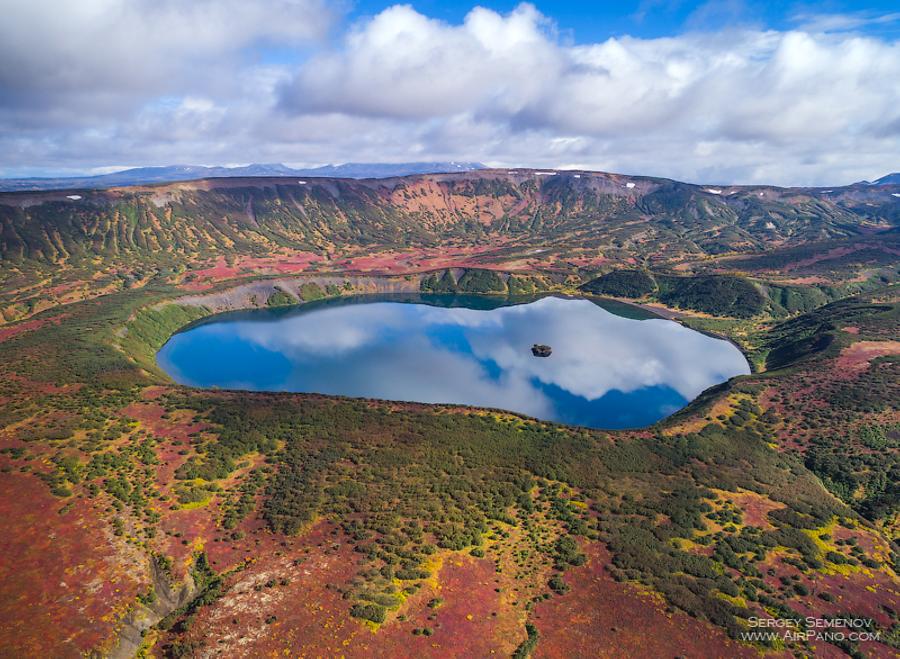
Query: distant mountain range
[[197, 220], [174, 173], [887, 179], [890, 179]]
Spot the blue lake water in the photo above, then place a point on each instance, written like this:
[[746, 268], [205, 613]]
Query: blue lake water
[[612, 366]]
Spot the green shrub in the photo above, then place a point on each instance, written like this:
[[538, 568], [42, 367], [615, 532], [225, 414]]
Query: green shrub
[[311, 291], [280, 298], [481, 281], [557, 585], [622, 283], [445, 283], [719, 295], [529, 644], [372, 612]]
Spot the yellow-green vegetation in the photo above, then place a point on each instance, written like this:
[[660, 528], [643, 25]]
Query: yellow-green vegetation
[[195, 493], [478, 281], [410, 484], [280, 298], [151, 327]]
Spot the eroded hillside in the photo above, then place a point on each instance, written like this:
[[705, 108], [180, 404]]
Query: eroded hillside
[[83, 243]]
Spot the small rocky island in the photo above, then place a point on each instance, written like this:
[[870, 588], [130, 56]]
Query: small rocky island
[[540, 350]]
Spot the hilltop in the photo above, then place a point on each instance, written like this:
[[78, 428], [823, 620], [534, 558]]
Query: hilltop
[[890, 179], [167, 174], [88, 240]]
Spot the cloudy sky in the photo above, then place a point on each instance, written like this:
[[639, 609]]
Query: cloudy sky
[[733, 91]]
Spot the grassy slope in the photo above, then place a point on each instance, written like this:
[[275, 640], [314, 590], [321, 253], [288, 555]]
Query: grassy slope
[[115, 240], [405, 483], [770, 496]]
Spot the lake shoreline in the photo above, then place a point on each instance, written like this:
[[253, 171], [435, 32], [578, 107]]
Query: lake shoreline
[[608, 369]]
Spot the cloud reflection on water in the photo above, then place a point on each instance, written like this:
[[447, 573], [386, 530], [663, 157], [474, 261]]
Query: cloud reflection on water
[[457, 355]]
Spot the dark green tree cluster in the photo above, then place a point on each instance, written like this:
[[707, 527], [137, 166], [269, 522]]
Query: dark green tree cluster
[[622, 283], [719, 295]]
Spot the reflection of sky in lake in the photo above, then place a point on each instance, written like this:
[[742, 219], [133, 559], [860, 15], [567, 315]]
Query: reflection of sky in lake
[[605, 370]]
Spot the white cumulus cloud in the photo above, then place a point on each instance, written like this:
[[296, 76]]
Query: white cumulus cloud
[[103, 82]]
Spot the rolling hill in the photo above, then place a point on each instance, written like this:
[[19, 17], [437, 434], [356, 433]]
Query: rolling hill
[[98, 239], [654, 217], [148, 175], [140, 517]]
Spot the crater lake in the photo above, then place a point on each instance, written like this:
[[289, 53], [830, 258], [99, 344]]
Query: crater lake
[[611, 365]]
